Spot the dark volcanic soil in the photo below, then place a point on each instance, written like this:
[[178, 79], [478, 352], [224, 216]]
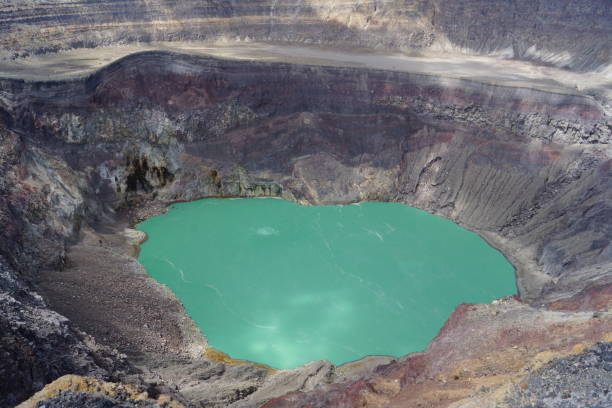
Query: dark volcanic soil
[[109, 295]]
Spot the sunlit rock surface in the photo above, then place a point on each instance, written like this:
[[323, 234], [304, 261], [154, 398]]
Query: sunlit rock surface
[[569, 35], [77, 391], [526, 165]]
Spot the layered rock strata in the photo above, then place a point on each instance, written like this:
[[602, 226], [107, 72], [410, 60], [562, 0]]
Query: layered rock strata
[[508, 162], [81, 159], [554, 32]]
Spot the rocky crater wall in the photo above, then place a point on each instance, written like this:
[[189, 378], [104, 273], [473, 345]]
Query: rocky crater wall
[[507, 162], [566, 34], [529, 170]]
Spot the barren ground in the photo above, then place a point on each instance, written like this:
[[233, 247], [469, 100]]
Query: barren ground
[[504, 72]]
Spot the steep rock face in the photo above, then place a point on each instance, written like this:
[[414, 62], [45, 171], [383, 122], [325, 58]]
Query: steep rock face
[[557, 32], [544, 31], [40, 204], [527, 169], [38, 345], [491, 158]]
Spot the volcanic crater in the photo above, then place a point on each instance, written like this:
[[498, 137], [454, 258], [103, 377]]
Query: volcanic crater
[[111, 110]]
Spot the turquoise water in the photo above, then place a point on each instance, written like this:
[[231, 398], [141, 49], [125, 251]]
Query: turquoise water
[[282, 284]]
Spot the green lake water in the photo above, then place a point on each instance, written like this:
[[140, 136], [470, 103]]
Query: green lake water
[[282, 284]]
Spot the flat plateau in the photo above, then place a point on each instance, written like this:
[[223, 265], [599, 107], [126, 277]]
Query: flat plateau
[[486, 69]]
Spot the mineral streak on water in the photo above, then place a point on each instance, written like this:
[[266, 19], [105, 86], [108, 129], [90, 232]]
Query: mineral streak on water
[[282, 284]]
